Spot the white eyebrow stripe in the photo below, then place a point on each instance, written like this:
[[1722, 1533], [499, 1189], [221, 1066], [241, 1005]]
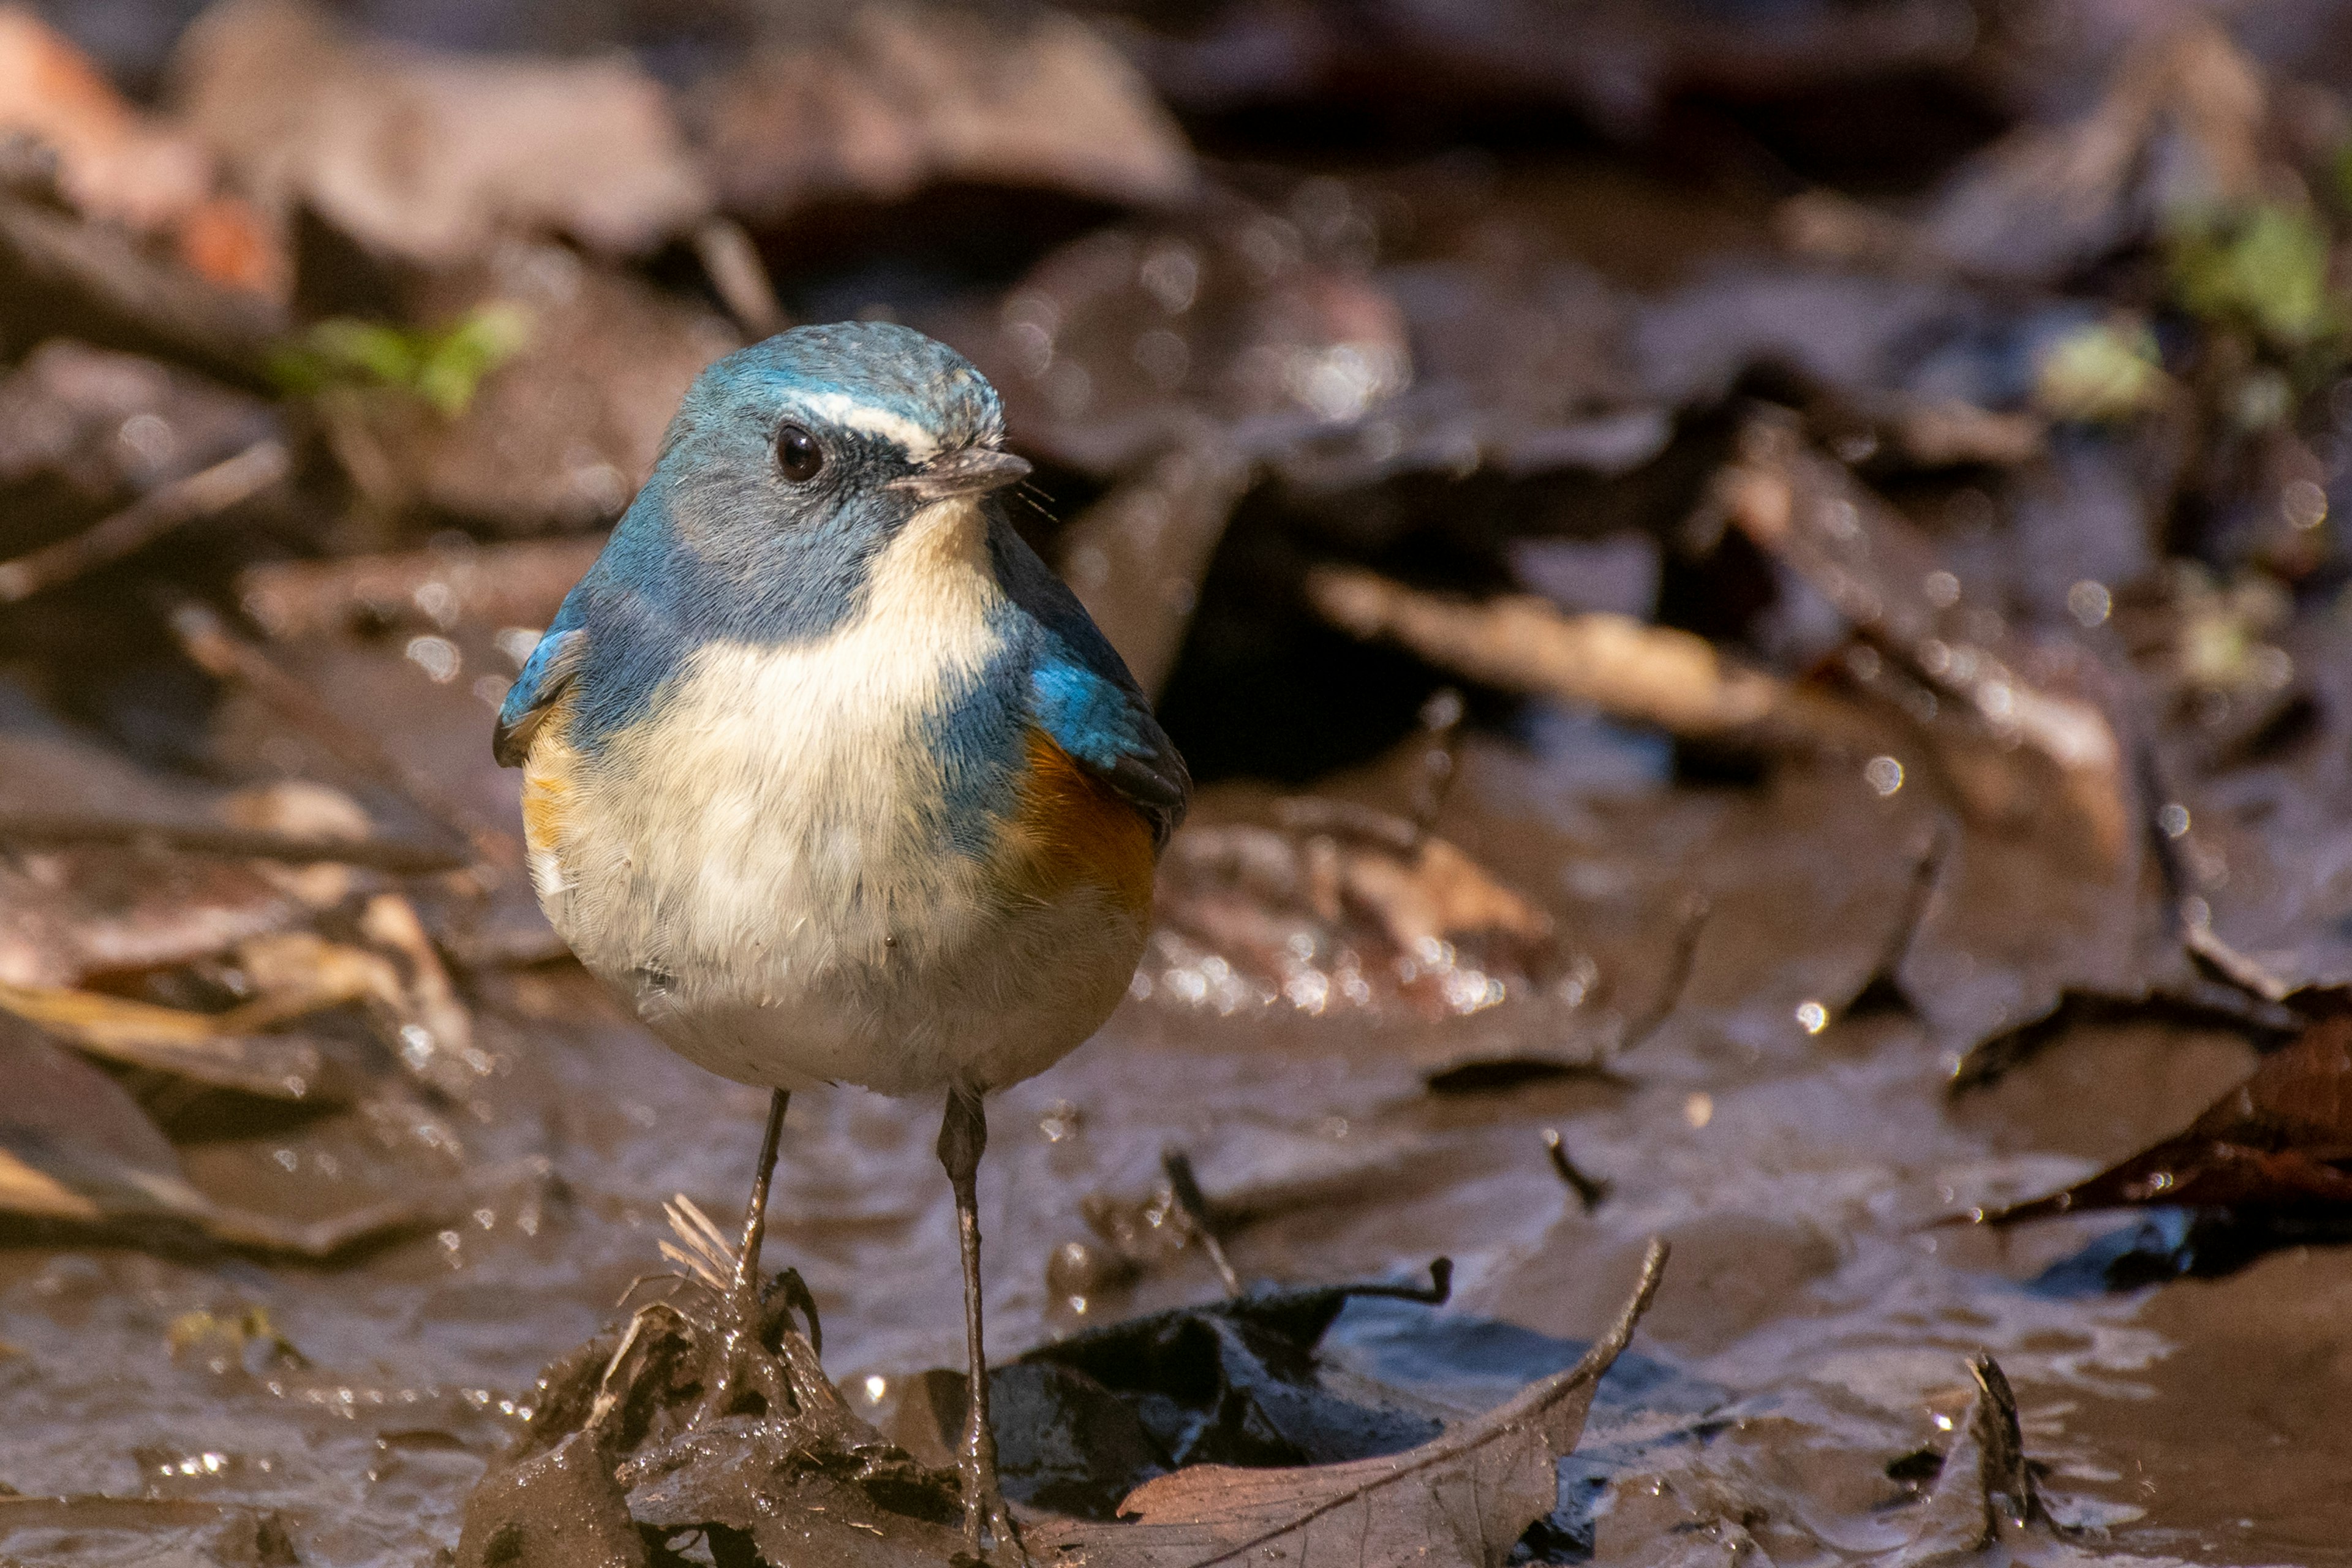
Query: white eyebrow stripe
[[840, 408]]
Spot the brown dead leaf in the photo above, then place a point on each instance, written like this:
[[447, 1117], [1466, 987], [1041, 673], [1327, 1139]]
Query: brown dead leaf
[[76, 1149], [427, 156], [559, 437], [113, 161], [2280, 1141], [217, 1050], [895, 97], [118, 165], [517, 584], [1461, 1500], [1336, 908]]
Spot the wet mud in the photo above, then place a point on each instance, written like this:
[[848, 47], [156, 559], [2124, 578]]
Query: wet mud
[[1810, 1339]]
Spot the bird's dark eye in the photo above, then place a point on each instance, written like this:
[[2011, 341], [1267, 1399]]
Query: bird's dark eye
[[798, 455]]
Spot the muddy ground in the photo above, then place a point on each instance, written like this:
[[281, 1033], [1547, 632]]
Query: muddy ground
[[1754, 590]]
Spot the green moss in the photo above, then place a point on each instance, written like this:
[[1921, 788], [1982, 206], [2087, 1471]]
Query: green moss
[[441, 367], [2264, 270], [2101, 373]]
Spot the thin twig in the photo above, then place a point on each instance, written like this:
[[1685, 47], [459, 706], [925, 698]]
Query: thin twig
[[205, 493], [732, 264], [1194, 1205], [1685, 958], [1589, 1189]]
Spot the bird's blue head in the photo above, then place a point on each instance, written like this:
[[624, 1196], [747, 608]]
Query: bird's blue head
[[794, 463]]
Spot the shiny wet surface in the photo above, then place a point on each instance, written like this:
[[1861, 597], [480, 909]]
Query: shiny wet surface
[[1811, 1334]]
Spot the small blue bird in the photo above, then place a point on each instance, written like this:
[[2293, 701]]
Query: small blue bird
[[830, 777]]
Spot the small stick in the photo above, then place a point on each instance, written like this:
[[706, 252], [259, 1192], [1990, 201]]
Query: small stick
[[1590, 1189], [205, 493], [1194, 1204]]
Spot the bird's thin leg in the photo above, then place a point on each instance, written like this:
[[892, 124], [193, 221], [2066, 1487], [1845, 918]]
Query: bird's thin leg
[[963, 1135], [755, 1213], [742, 1362]]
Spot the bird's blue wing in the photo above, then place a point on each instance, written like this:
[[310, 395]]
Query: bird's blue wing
[[1081, 694], [542, 683]]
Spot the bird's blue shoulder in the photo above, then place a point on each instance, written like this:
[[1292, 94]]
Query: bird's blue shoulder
[[1079, 692]]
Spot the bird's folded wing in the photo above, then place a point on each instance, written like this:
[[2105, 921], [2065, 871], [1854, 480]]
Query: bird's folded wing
[[1107, 728], [536, 692]]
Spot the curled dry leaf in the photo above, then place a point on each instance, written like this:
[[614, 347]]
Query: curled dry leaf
[[1337, 906], [2280, 1142], [893, 97], [1461, 1500], [426, 156]]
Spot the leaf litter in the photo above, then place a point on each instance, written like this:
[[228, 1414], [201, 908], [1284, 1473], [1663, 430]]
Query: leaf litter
[[1978, 702]]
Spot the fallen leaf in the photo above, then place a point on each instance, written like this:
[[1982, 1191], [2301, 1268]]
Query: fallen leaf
[[2281, 1140], [1132, 341], [1462, 1499], [1337, 907], [514, 586], [892, 97], [216, 1050], [427, 156], [83, 431], [556, 438]]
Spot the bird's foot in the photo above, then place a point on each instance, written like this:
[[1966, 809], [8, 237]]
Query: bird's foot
[[758, 1361], [991, 1533], [743, 1374]]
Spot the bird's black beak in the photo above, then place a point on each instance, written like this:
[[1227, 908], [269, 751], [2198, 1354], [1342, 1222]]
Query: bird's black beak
[[970, 470]]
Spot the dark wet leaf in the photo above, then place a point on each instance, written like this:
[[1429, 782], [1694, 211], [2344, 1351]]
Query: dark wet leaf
[[1984, 1495], [1134, 341], [1464, 1497], [77, 1153], [2281, 1141], [1085, 1420], [194, 1047]]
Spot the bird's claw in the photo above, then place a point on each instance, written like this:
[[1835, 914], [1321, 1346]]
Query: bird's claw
[[987, 1516], [740, 1362]]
